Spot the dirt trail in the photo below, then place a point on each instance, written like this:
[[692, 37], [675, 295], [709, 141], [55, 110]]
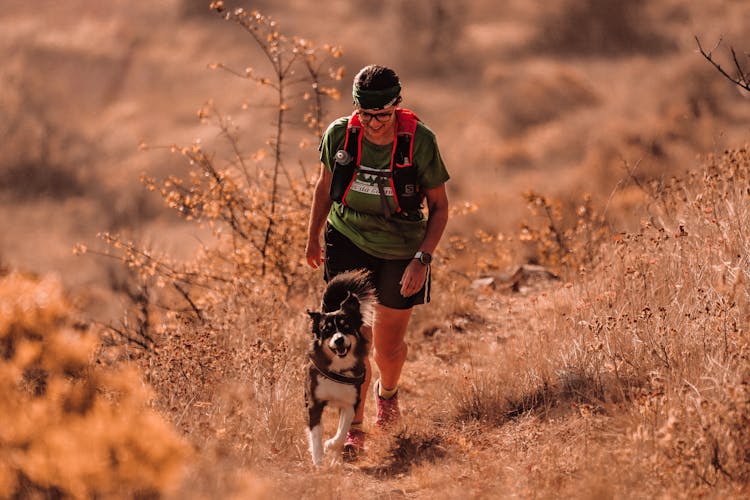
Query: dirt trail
[[432, 454]]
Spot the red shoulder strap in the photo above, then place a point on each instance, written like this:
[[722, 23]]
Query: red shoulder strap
[[407, 121], [354, 123]]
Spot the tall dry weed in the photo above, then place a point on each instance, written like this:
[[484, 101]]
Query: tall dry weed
[[566, 236], [654, 337], [694, 411], [665, 329]]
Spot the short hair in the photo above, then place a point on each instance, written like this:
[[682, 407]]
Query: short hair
[[376, 77]]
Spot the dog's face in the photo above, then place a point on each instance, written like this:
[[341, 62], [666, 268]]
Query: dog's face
[[338, 332]]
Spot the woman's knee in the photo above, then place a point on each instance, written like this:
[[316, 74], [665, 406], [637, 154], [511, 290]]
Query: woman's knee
[[389, 333], [392, 352]]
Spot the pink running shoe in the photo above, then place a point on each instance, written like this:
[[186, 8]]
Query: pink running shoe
[[388, 411], [354, 444]]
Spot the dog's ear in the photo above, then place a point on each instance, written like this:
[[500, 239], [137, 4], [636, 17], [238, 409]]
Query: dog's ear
[[350, 305], [316, 317]]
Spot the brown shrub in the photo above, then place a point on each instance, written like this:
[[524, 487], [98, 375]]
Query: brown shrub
[[565, 236], [592, 27], [430, 35], [213, 333], [71, 427], [532, 98]]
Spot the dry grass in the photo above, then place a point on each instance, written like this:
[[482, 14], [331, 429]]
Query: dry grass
[[650, 347], [639, 359], [629, 380]]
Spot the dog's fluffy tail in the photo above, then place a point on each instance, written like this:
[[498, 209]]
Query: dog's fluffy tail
[[357, 283]]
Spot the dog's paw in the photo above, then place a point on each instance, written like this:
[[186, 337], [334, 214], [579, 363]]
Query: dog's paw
[[332, 445]]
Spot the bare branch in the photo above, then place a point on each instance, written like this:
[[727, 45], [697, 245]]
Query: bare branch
[[741, 80], [185, 294], [740, 72], [127, 337], [233, 142]]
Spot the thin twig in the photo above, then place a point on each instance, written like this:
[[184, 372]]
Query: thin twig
[[127, 337], [232, 139], [740, 81], [558, 236], [186, 296], [740, 71]]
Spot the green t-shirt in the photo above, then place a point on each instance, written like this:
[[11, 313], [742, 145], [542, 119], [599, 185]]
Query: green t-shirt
[[363, 220]]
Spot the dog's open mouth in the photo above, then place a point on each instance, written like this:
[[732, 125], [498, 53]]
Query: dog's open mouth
[[341, 350]]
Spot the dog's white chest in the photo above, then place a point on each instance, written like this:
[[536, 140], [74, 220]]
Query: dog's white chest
[[335, 393]]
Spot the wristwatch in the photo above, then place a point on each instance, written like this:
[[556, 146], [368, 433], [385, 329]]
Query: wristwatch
[[423, 257]]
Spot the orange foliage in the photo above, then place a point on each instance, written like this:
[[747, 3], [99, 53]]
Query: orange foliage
[[71, 427]]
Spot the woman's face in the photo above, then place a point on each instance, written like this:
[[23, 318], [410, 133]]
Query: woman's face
[[378, 124]]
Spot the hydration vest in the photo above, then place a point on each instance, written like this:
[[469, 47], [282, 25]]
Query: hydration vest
[[401, 175]]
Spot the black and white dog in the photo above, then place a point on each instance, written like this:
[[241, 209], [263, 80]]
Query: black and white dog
[[337, 356]]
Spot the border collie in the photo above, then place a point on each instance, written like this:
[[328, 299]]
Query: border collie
[[337, 357]]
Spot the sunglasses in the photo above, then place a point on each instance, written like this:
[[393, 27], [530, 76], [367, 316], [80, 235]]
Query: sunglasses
[[379, 117]]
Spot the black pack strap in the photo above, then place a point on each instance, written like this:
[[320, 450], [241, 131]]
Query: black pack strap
[[384, 200], [352, 142], [382, 181], [375, 171], [337, 377], [403, 149], [345, 172]]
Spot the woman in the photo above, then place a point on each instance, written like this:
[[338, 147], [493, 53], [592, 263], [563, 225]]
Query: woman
[[379, 167]]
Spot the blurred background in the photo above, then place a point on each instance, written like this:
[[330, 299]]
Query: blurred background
[[563, 97]]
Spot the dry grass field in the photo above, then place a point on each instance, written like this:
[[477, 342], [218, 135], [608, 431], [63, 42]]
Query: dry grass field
[[589, 335]]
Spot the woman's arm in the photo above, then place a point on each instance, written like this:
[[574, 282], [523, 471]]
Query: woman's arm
[[321, 204], [437, 204], [416, 273]]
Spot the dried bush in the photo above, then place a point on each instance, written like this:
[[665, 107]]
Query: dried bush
[[655, 337], [666, 328], [256, 205], [71, 427], [598, 27], [533, 98], [42, 153], [566, 238], [211, 332], [695, 409]]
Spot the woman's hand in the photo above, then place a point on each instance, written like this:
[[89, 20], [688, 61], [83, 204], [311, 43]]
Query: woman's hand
[[314, 253], [413, 278]]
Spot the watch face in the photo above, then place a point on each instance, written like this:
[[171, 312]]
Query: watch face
[[425, 258]]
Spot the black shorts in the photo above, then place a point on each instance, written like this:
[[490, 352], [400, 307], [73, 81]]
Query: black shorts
[[342, 255]]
